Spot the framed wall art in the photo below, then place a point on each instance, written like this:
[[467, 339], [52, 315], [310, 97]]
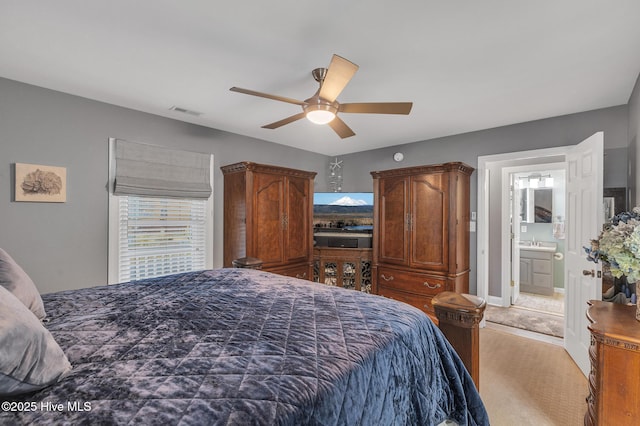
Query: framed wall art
[[40, 183]]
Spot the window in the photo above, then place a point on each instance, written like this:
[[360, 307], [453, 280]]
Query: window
[[160, 236], [155, 236]]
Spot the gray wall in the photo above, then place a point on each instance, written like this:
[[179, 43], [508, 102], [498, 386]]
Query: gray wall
[[64, 246], [552, 132], [634, 152]]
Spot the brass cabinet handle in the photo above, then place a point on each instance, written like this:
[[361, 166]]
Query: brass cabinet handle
[[426, 284], [384, 277], [285, 221]]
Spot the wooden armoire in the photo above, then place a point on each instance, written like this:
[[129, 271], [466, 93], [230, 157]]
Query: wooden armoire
[[421, 232], [268, 214]]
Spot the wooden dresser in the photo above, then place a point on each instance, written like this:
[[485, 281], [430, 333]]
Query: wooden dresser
[[268, 213], [614, 381], [421, 232]]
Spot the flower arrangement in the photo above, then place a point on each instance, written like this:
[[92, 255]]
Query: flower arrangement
[[619, 246]]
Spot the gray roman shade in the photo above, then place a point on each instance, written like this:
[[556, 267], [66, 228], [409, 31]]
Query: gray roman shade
[[160, 172]]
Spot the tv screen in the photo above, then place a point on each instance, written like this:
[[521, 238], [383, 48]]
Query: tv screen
[[343, 210]]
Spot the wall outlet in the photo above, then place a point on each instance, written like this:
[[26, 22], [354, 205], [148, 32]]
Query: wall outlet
[[472, 226], [523, 228], [473, 215]]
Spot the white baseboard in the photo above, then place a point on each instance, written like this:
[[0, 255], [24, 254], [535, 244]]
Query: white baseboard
[[558, 290], [494, 300]]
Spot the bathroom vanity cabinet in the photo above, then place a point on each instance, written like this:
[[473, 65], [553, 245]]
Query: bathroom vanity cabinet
[[536, 271]]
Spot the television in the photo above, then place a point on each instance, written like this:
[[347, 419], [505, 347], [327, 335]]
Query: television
[[347, 211]]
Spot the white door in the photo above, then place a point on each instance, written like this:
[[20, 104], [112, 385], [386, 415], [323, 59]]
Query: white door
[[584, 221], [515, 240]]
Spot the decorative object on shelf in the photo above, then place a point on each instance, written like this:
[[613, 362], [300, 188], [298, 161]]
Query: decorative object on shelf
[[335, 175], [618, 245], [39, 183]]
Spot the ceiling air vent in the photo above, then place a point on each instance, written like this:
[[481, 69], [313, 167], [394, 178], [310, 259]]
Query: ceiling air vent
[[185, 111]]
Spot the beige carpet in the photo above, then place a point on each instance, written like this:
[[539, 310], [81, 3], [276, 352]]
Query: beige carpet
[[527, 382]]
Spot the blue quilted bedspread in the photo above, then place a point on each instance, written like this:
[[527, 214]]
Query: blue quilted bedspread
[[245, 347]]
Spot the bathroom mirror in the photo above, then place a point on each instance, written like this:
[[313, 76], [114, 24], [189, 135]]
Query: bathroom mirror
[[536, 205]]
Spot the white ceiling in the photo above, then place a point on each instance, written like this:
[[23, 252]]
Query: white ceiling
[[466, 65]]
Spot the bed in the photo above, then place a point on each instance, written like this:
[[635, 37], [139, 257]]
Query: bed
[[241, 346]]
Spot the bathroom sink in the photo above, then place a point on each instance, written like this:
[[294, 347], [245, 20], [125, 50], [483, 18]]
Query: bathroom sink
[[538, 246]]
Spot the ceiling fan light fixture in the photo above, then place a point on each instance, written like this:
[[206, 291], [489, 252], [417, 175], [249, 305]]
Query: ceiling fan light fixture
[[320, 113], [323, 107]]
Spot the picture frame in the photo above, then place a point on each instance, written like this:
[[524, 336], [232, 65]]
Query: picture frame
[[609, 208], [615, 199], [40, 183]]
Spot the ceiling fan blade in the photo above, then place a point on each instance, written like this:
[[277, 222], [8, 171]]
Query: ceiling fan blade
[[266, 95], [377, 108], [284, 121], [339, 73], [340, 128]]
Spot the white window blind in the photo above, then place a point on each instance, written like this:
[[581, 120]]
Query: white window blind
[[160, 236]]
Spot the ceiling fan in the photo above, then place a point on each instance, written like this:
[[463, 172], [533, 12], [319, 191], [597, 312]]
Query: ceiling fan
[[322, 107]]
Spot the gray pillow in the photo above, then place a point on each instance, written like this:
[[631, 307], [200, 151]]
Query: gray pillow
[[30, 359], [14, 279]]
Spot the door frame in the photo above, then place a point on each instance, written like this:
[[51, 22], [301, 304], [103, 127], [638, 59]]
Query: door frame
[[508, 250], [485, 211]]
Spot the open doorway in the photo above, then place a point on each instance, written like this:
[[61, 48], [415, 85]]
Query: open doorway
[[515, 186], [584, 218], [536, 214]]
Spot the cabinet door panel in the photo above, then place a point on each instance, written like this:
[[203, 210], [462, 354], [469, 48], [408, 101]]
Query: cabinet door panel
[[268, 239], [526, 274], [542, 266], [394, 233], [298, 221], [543, 281], [430, 221]]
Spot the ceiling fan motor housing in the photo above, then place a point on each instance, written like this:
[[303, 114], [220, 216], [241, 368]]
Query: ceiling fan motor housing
[[318, 104], [319, 74]]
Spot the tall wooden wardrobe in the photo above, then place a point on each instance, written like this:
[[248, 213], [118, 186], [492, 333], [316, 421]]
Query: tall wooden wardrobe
[[268, 213], [421, 232]]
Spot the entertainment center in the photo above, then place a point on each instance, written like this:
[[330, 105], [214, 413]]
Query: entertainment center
[[342, 235]]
